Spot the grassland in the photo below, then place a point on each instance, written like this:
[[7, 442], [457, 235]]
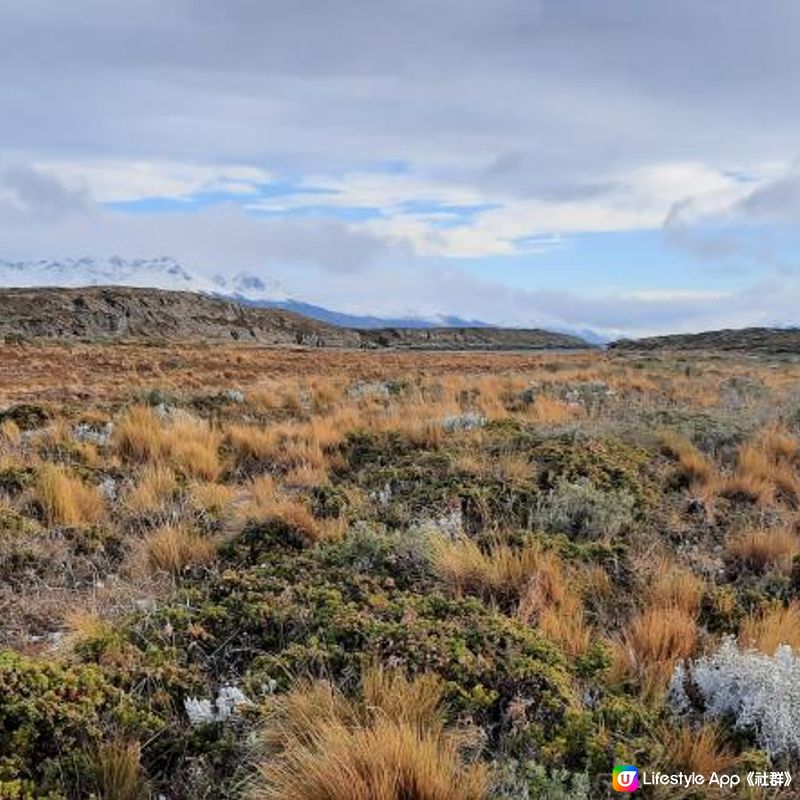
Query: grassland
[[241, 572]]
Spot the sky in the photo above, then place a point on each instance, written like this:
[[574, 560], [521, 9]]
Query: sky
[[626, 166]]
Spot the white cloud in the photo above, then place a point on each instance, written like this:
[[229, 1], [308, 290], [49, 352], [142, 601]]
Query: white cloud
[[123, 180]]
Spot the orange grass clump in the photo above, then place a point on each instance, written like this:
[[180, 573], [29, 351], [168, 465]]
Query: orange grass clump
[[391, 743]]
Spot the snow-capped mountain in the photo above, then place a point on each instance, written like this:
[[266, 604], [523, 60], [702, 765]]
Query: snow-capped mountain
[[166, 273], [156, 273]]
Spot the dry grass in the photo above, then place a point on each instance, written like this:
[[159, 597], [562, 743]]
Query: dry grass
[[192, 446], [532, 582], [771, 628], [765, 469], [501, 573], [760, 549], [779, 444], [652, 644], [390, 744], [550, 411], [118, 771], [565, 623], [267, 502], [66, 500], [754, 477], [10, 433], [673, 586], [306, 476], [187, 443], [174, 548], [154, 491], [211, 498], [83, 625], [289, 445], [513, 467], [703, 750], [139, 435], [693, 466]]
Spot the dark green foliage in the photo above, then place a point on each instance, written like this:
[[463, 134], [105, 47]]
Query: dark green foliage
[[51, 718], [26, 416]]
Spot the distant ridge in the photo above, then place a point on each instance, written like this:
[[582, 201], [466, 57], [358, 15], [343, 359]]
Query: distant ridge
[[166, 273], [754, 340], [118, 313]]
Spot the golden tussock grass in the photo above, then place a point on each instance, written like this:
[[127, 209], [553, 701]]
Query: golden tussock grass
[[391, 743], [762, 549], [673, 586], [550, 411], [553, 600], [693, 465], [652, 644], [501, 573], [765, 468], [287, 445], [174, 548], [117, 771], [193, 447], [565, 623], [472, 463], [532, 581], [139, 435], [779, 444], [754, 476], [10, 433], [513, 467], [703, 749], [83, 625], [154, 490], [419, 421], [773, 627], [211, 498], [306, 476], [65, 499], [267, 502], [187, 443]]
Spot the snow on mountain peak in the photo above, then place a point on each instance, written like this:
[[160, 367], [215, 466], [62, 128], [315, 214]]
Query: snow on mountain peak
[[155, 273]]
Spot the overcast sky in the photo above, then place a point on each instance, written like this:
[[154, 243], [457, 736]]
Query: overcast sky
[[622, 165]]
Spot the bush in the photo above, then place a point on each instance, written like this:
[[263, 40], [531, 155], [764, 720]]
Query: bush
[[325, 610], [760, 693], [528, 780], [580, 510], [52, 718]]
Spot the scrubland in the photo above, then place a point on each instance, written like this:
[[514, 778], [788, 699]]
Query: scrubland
[[252, 573]]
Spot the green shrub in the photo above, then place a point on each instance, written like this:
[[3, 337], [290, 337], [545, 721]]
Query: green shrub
[[52, 717], [582, 511]]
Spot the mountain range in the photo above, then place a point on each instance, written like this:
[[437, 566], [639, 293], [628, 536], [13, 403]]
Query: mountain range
[[125, 313], [246, 289]]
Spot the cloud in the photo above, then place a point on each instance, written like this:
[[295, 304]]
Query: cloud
[[353, 144], [451, 291], [217, 239], [750, 221], [27, 193]]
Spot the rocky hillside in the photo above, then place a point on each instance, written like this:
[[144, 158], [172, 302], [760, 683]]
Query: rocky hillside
[[468, 339], [124, 313], [98, 313], [754, 340]]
